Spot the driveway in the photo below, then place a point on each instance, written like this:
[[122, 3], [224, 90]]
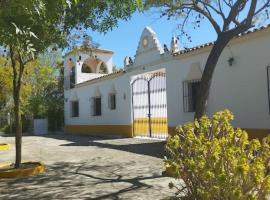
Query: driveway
[[84, 167]]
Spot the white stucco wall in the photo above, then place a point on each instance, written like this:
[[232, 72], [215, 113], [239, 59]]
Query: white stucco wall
[[241, 87], [120, 116]]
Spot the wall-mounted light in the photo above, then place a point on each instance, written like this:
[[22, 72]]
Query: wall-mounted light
[[231, 61]]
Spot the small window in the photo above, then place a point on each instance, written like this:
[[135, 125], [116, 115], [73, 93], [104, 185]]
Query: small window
[[96, 106], [74, 109], [112, 101], [190, 92]]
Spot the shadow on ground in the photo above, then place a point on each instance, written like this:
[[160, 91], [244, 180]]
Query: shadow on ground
[[89, 180], [155, 148]]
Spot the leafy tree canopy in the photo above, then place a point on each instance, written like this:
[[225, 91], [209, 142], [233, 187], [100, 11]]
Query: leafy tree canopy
[[33, 25]]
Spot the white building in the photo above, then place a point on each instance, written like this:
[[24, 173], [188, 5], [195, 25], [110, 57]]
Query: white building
[[159, 87]]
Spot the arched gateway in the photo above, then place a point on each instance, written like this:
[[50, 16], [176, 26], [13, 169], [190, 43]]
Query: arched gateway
[[149, 105]]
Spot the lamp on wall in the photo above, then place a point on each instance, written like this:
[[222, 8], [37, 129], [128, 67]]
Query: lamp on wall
[[231, 61]]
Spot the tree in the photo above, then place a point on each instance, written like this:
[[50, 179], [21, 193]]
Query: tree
[[29, 27], [46, 99], [229, 18], [5, 82]]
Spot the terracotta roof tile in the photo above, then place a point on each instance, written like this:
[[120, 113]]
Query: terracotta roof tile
[[211, 43], [101, 77]]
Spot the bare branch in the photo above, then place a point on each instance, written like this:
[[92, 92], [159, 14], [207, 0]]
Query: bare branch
[[227, 3], [251, 11], [204, 13], [233, 13], [185, 20], [219, 12], [267, 4], [220, 9]]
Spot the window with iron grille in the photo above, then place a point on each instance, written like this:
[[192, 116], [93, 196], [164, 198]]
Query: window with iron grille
[[112, 101], [268, 85], [75, 109], [190, 92], [96, 106]]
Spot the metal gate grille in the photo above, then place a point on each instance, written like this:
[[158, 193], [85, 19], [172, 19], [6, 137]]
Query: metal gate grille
[[149, 103]]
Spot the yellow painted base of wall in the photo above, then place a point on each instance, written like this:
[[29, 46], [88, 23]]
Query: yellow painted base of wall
[[127, 130], [253, 133], [120, 130], [15, 173], [159, 125], [4, 146]]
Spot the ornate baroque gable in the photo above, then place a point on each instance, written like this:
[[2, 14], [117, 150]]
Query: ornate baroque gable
[[149, 48]]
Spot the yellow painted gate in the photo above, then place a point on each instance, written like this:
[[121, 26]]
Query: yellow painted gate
[[149, 105]]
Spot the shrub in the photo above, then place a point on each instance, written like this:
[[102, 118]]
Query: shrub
[[216, 161]]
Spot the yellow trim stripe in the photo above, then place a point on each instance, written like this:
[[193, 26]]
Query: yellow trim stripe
[[252, 132], [122, 130], [127, 130]]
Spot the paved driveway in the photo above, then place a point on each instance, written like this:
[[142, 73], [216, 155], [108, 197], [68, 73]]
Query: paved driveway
[[84, 167]]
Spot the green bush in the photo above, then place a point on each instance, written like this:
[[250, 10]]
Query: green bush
[[212, 160]]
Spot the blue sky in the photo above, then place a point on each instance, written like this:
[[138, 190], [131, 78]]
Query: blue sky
[[123, 40]]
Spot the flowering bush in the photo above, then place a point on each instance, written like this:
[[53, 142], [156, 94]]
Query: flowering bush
[[216, 161]]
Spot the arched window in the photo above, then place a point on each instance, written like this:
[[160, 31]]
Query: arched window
[[103, 68], [86, 68], [72, 77]]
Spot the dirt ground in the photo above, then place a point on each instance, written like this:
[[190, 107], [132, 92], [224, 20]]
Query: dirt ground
[[85, 167]]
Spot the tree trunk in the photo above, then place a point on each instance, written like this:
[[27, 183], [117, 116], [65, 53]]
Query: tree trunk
[[207, 76], [17, 76], [18, 125]]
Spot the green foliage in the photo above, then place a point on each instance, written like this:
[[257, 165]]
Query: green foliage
[[5, 81], [216, 161]]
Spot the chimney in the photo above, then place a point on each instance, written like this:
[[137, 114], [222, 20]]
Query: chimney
[[174, 44]]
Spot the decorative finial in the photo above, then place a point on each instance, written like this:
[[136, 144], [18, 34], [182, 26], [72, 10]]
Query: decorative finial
[[165, 48], [174, 44]]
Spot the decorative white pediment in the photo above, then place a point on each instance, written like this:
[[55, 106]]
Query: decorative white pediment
[[195, 72], [149, 48]]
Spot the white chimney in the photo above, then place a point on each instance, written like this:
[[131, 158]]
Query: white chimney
[[174, 45]]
